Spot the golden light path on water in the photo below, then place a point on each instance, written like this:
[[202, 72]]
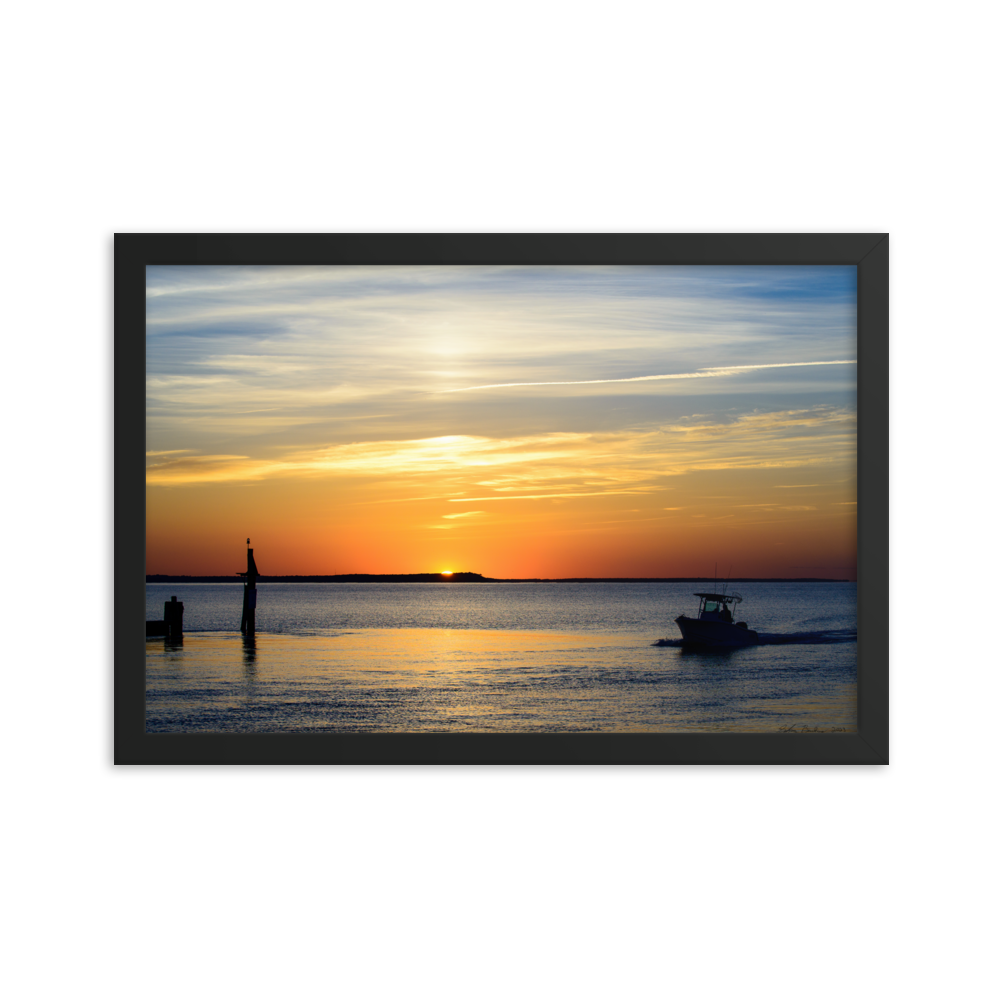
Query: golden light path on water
[[478, 680]]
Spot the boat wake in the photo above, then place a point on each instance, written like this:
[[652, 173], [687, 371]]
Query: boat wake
[[787, 638], [806, 638]]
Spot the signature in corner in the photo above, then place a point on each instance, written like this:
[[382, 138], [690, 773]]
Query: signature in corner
[[811, 729]]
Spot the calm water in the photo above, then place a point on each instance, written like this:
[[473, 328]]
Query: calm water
[[557, 657]]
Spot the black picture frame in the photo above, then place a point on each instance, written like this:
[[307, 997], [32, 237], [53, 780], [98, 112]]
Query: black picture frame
[[869, 745]]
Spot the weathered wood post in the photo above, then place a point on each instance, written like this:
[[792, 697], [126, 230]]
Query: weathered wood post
[[247, 625], [173, 617]]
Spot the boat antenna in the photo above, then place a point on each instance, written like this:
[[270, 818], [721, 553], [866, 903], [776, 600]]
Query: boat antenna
[[726, 584]]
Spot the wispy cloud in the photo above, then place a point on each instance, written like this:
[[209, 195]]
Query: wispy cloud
[[555, 496], [433, 496], [631, 520], [204, 469], [556, 466], [700, 373]]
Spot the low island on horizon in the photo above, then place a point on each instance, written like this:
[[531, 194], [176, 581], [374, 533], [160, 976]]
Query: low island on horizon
[[463, 577]]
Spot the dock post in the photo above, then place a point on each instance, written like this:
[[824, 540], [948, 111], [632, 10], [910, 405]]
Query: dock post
[[173, 617]]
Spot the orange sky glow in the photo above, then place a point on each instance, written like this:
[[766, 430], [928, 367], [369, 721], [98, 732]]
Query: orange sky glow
[[517, 422]]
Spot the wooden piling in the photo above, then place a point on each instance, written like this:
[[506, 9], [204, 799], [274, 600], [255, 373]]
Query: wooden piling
[[248, 624], [173, 617]]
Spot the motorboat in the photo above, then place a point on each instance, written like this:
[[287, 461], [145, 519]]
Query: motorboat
[[714, 625]]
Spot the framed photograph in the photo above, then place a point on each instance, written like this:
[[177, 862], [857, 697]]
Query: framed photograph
[[501, 499]]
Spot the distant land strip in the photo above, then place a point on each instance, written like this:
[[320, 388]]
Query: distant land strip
[[479, 578]]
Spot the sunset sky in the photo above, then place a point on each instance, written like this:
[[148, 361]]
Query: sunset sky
[[513, 421]]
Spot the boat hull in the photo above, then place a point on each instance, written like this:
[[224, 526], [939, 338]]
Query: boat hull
[[699, 632]]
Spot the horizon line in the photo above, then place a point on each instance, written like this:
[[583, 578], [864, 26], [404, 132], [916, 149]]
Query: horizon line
[[458, 576]]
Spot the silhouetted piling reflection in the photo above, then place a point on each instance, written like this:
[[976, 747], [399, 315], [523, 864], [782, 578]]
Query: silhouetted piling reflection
[[248, 681], [250, 655]]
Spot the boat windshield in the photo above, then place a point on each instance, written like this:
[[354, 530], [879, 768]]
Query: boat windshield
[[713, 606]]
